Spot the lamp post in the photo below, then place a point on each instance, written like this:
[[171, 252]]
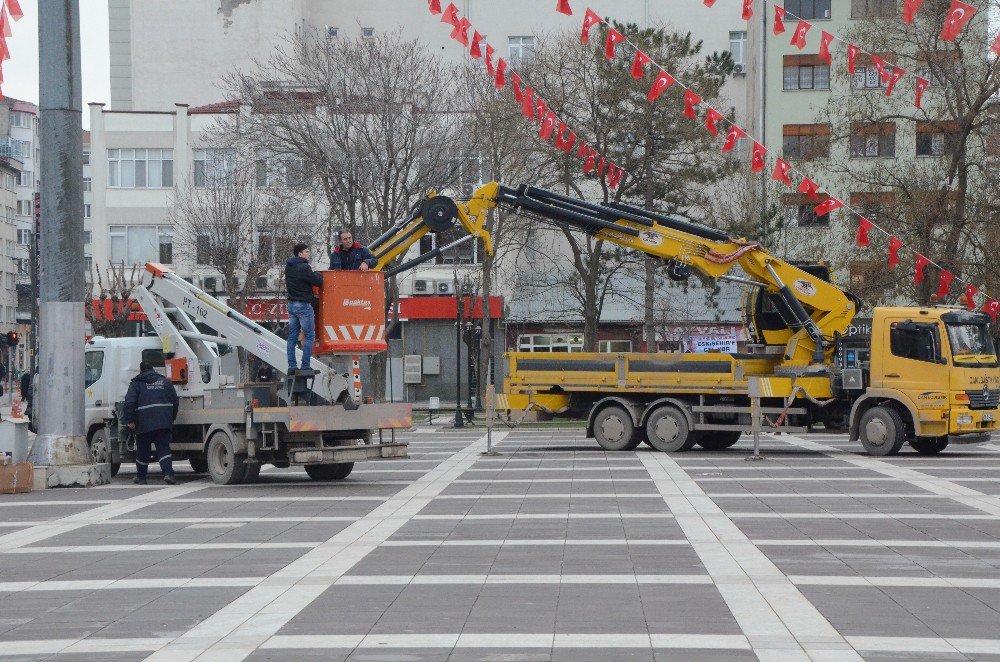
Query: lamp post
[[458, 359]]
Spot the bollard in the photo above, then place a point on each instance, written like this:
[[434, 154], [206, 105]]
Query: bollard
[[491, 410], [755, 390]]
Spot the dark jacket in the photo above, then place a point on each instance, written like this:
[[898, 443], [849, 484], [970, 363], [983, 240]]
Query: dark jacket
[[26, 385], [300, 278], [352, 258], [151, 402]]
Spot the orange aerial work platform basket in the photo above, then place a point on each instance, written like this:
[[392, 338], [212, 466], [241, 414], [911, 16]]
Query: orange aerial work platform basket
[[351, 315]]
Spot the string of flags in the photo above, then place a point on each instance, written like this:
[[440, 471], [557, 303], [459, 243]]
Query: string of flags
[[663, 80], [533, 106], [9, 10]]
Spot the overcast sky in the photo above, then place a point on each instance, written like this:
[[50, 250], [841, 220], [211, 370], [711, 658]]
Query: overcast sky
[[20, 72]]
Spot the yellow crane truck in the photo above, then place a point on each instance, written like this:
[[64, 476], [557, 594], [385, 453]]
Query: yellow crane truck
[[929, 376]]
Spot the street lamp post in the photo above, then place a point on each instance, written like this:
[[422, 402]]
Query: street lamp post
[[458, 362]]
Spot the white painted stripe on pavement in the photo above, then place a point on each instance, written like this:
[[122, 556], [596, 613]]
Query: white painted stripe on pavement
[[869, 542], [437, 580], [906, 582], [562, 495], [541, 542], [505, 641], [502, 516], [154, 547], [67, 646], [900, 516], [128, 584]]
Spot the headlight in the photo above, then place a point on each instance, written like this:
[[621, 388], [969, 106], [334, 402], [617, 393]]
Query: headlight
[[964, 419]]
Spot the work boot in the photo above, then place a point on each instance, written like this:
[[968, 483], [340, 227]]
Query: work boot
[[291, 372], [139, 480], [169, 480]]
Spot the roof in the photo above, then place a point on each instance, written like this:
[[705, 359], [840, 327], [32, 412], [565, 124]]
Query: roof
[[218, 108]]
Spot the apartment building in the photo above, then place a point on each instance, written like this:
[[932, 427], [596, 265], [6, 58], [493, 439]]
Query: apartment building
[[21, 156]]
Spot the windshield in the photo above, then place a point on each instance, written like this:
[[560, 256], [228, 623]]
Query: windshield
[[971, 345]]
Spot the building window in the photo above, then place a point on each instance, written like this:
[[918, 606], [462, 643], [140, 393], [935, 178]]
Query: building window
[[738, 49], [86, 185], [332, 32], [866, 76], [550, 342], [138, 244], [86, 157], [800, 211], [876, 140], [140, 168], [615, 346], [24, 237], [808, 9], [86, 210], [805, 141], [805, 72], [277, 170], [367, 33], [86, 236], [465, 253], [214, 167], [520, 49], [872, 8], [873, 206], [21, 120], [24, 178], [25, 207], [937, 138]]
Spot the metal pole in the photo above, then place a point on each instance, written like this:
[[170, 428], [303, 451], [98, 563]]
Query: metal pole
[[61, 445], [458, 360]]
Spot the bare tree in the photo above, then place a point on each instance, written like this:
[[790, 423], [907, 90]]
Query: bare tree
[[109, 311]]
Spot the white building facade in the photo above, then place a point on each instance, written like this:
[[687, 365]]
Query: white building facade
[[19, 221]]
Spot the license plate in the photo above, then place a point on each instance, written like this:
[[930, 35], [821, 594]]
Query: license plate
[[987, 417]]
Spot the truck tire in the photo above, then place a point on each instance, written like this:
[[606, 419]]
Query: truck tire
[[615, 431], [668, 432], [337, 471], [199, 464], [929, 445], [882, 431], [100, 450], [225, 466], [718, 440]]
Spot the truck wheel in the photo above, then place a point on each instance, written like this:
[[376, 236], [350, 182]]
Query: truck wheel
[[667, 430], [882, 431], [614, 430], [929, 445], [199, 464], [337, 471], [100, 450], [225, 466], [718, 440]]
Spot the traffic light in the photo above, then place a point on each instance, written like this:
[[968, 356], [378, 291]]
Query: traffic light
[[12, 338]]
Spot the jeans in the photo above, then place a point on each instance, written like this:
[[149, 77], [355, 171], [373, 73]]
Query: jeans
[[301, 317], [144, 442]]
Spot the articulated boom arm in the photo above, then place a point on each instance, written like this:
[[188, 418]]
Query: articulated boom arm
[[813, 310]]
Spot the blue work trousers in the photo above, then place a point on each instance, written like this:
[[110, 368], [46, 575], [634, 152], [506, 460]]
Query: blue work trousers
[[301, 317], [144, 442]]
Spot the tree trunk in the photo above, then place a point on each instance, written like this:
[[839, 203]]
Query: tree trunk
[[649, 323]]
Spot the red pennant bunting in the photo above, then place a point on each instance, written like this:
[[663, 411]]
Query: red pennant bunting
[[996, 49], [564, 141], [734, 134], [450, 15], [4, 52], [475, 51], [528, 103], [919, 263], [690, 101], [958, 15], [515, 82], [461, 32], [944, 284], [991, 308], [709, 3], [852, 52], [824, 47], [433, 5], [779, 23], [662, 82], [589, 20], [5, 22], [590, 163], [711, 117], [799, 36], [15, 10], [810, 188], [499, 80], [488, 57], [922, 84], [747, 10], [614, 38], [548, 126], [583, 150], [541, 108], [894, 77], [880, 68], [639, 64], [864, 225], [757, 158], [970, 296], [894, 246], [615, 178], [910, 9], [827, 206], [563, 7], [780, 173]]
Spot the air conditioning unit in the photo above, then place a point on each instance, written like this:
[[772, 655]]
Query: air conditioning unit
[[739, 69], [262, 283], [423, 286], [467, 289], [442, 287], [235, 283], [211, 284]]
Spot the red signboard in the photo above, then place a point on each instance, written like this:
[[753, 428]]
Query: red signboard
[[446, 308], [267, 310]]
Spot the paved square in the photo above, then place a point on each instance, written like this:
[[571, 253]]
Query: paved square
[[554, 550]]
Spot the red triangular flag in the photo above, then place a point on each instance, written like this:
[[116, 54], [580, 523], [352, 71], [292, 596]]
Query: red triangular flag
[[864, 225], [582, 150], [880, 68], [894, 77], [614, 37], [662, 82], [528, 103], [780, 173], [15, 10], [4, 51], [488, 57], [711, 117], [609, 170], [541, 108], [747, 10], [615, 178], [824, 47], [810, 188], [991, 308], [548, 126], [958, 15], [894, 246], [515, 82], [827, 206], [734, 134], [5, 22], [563, 7], [799, 36], [564, 141], [433, 5], [996, 49], [970, 296], [461, 32], [475, 51], [690, 101], [589, 20], [922, 84], [590, 162], [919, 263], [709, 3], [450, 15], [852, 52], [944, 284], [779, 23], [910, 9], [499, 80], [757, 158], [639, 64]]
